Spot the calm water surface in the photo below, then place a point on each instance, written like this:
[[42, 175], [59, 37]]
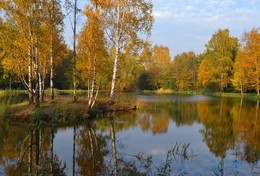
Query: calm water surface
[[167, 135]]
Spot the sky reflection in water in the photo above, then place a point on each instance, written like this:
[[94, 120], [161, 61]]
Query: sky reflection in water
[[223, 136]]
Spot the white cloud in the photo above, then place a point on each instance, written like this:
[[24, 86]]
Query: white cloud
[[162, 14], [189, 22]]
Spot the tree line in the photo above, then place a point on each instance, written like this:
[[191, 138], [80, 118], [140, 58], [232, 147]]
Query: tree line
[[111, 52], [34, 54]]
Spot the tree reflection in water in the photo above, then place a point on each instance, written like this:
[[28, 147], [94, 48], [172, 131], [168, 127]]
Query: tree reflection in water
[[30, 152], [229, 129], [97, 153], [231, 126]]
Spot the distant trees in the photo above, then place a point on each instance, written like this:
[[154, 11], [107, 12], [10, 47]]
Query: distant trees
[[247, 65], [179, 74], [226, 65], [185, 69], [217, 65], [156, 61]]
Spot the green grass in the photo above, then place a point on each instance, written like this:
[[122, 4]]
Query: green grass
[[249, 96], [10, 98], [79, 92]]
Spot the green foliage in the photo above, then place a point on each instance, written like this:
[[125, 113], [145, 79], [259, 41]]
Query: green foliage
[[217, 65], [48, 92], [63, 78], [185, 71], [128, 80], [147, 81], [56, 114], [7, 98], [38, 119]]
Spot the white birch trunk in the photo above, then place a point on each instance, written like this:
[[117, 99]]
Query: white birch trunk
[[74, 55], [112, 93], [30, 66], [93, 84], [36, 68], [51, 71], [94, 101], [30, 76]]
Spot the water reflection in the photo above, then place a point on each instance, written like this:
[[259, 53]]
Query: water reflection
[[224, 133], [29, 152], [93, 146]]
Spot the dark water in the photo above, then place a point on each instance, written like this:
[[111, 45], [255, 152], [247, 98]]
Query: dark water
[[167, 135]]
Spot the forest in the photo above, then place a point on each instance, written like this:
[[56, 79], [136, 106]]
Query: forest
[[112, 52]]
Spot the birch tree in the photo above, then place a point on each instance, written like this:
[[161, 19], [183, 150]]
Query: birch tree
[[124, 22], [91, 51], [74, 50], [21, 44], [54, 24], [26, 43]]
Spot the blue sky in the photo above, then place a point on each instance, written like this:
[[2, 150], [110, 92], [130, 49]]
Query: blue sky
[[187, 25]]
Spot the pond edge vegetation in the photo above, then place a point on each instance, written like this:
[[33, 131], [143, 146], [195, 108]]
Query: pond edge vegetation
[[64, 111]]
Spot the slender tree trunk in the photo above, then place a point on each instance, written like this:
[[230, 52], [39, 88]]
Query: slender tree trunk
[[30, 76], [95, 98], [93, 84], [51, 71], [43, 82], [112, 93], [91, 93], [43, 86], [40, 86], [74, 54], [51, 57], [88, 89], [30, 62], [36, 63], [37, 85]]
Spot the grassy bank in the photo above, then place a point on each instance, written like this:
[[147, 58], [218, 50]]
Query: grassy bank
[[14, 106], [63, 111], [249, 96]]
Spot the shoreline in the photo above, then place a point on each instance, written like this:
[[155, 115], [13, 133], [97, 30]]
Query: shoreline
[[64, 111]]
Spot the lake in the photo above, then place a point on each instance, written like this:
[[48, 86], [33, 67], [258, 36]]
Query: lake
[[168, 135]]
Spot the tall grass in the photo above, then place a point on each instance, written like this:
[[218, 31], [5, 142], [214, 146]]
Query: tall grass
[[79, 92], [7, 98]]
